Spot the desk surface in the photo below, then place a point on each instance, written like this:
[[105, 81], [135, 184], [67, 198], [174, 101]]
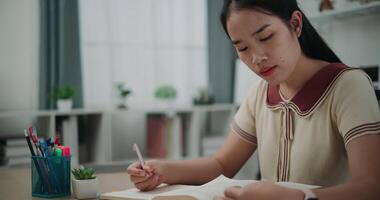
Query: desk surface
[[16, 184]]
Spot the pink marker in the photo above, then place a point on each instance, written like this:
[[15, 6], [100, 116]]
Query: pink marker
[[65, 150]]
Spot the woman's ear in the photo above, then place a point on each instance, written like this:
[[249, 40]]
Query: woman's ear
[[296, 22]]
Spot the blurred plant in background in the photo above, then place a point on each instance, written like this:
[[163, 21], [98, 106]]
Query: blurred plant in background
[[203, 97], [123, 94], [65, 92], [166, 92]]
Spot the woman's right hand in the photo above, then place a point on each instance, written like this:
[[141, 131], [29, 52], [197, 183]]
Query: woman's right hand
[[148, 177]]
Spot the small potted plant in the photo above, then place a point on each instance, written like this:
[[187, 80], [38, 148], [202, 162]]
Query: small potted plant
[[166, 94], [64, 96], [123, 94], [85, 184], [203, 97]]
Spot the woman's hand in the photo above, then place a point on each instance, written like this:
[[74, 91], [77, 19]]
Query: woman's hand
[[148, 177], [263, 190]]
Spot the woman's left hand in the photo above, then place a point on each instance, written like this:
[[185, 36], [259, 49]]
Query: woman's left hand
[[263, 190]]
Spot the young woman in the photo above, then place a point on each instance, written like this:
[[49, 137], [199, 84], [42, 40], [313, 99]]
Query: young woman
[[312, 119]]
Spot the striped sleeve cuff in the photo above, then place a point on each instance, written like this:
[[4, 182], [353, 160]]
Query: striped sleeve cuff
[[244, 135], [364, 129]]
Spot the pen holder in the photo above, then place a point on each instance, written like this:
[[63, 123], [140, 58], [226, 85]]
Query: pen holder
[[51, 176]]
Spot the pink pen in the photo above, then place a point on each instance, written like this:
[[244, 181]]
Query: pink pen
[[137, 150], [35, 142]]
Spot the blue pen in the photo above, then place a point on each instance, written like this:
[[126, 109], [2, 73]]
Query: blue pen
[[45, 149], [50, 164], [50, 146]]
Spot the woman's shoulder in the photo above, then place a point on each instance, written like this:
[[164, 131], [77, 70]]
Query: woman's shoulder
[[354, 76], [353, 80]]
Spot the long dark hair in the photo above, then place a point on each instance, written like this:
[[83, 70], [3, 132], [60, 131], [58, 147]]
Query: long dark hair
[[310, 41]]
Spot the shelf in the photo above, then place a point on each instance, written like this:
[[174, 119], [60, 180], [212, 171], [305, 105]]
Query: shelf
[[47, 113], [364, 9], [188, 109]]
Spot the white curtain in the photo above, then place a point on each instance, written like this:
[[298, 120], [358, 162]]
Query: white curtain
[[143, 43]]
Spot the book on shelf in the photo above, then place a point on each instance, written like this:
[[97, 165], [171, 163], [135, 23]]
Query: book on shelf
[[16, 142], [156, 136], [17, 151], [14, 152], [165, 136], [18, 160], [174, 139], [209, 190]]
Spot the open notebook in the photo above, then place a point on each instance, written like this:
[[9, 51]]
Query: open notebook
[[207, 191]]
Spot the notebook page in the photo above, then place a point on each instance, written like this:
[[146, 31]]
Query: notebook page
[[207, 191], [216, 187], [136, 194]]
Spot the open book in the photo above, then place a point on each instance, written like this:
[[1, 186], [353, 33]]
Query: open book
[[207, 191]]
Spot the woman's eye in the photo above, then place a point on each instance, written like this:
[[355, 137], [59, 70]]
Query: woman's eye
[[242, 49], [266, 38]]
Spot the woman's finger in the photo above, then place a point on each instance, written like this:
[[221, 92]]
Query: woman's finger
[[233, 192], [143, 186], [136, 170], [154, 184], [138, 179]]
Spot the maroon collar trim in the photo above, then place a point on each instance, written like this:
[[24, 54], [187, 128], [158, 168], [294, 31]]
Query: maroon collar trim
[[312, 92]]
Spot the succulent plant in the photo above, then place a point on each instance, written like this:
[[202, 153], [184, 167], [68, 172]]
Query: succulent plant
[[83, 173]]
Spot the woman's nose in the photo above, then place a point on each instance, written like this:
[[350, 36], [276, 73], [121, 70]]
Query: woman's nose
[[257, 59]]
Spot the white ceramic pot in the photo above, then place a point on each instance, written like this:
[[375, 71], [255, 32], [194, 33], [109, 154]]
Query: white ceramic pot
[[64, 104], [85, 189]]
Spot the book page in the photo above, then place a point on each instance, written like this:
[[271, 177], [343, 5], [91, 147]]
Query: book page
[[207, 191], [216, 187], [136, 194]]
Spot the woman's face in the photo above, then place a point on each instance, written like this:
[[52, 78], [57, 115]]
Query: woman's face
[[264, 43]]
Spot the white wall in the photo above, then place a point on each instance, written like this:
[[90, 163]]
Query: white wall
[[245, 79], [353, 38], [143, 43], [19, 47]]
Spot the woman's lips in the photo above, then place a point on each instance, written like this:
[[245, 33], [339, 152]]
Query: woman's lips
[[267, 71]]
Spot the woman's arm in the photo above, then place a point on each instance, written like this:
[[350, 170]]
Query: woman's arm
[[228, 161], [364, 161]]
